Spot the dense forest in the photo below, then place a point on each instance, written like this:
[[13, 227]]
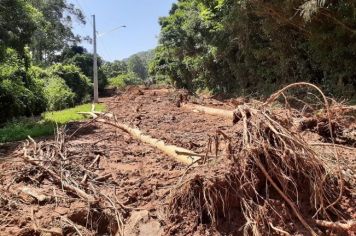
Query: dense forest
[[248, 48], [129, 71], [254, 47], [42, 68]]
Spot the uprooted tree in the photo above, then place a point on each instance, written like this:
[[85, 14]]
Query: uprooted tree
[[262, 178]]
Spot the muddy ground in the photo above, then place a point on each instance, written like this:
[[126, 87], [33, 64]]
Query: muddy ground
[[141, 177]]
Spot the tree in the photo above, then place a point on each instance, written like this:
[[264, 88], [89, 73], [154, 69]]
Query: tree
[[18, 21], [44, 26], [74, 79], [39, 32], [113, 69], [78, 56], [136, 65], [21, 92], [58, 94], [254, 47], [54, 32]]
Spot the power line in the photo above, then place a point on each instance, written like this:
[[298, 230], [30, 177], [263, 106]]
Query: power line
[[102, 46]]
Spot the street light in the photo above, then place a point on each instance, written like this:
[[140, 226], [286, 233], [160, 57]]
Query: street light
[[95, 59], [114, 29]]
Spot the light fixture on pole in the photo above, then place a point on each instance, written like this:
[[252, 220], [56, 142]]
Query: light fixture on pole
[[95, 59], [114, 29]]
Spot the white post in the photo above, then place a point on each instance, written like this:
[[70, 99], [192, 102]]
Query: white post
[[95, 66]]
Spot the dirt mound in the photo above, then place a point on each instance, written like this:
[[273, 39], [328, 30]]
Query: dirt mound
[[269, 179], [95, 179], [343, 124]]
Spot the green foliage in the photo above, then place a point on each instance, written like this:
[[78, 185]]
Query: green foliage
[[20, 93], [118, 81], [19, 129], [43, 25], [71, 114], [133, 70], [30, 91], [145, 56], [79, 57], [137, 66], [58, 94], [34, 32], [255, 47], [74, 79], [123, 80], [18, 21], [84, 61], [113, 69], [54, 32]]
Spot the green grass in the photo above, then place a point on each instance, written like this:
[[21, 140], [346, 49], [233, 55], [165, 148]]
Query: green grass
[[21, 128], [71, 114]]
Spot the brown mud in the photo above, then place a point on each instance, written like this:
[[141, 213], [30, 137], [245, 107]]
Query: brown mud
[[140, 180]]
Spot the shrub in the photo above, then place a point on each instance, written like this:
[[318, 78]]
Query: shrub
[[162, 80], [21, 94], [117, 81], [75, 80], [84, 61], [123, 80], [58, 94]]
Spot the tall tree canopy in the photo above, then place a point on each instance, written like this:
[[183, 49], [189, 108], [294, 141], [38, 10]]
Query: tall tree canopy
[[79, 56], [253, 46], [45, 26], [137, 66], [18, 22], [37, 33], [55, 31]]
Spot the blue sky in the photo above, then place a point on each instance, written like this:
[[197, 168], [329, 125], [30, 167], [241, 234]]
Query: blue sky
[[140, 17]]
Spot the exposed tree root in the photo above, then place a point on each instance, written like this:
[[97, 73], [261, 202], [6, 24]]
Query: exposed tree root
[[266, 162], [50, 160], [37, 152]]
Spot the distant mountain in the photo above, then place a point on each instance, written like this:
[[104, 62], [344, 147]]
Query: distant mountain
[[145, 56]]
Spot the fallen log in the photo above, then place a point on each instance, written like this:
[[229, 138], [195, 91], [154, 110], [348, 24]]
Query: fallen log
[[171, 150], [209, 110], [102, 178]]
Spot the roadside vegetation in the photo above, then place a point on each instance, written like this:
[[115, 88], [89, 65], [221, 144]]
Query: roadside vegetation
[[130, 71], [252, 48], [233, 48], [46, 124], [43, 71], [41, 68]]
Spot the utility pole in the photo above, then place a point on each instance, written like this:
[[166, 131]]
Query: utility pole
[[95, 66]]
